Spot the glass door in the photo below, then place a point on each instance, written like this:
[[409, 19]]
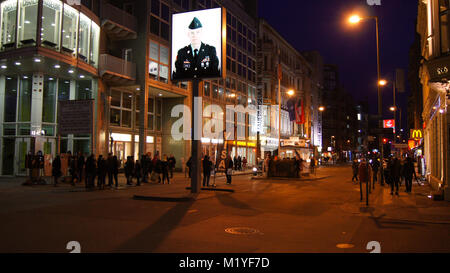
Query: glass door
[[8, 155], [22, 148]]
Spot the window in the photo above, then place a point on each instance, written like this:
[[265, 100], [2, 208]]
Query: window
[[64, 90], [84, 36], [25, 89], [151, 114], [28, 11], [207, 89], [49, 100], [10, 99], [84, 90], [444, 15], [9, 20], [159, 62], [94, 45], [70, 29], [51, 23], [121, 109]]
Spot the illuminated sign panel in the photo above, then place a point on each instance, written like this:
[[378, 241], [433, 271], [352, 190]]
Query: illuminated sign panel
[[198, 44], [388, 123], [416, 134]]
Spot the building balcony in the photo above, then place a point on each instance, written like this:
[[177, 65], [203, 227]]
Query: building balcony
[[116, 71], [117, 23]]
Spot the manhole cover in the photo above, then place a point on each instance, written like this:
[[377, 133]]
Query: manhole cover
[[242, 231], [345, 246]]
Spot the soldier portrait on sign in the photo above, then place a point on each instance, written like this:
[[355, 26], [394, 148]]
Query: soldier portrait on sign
[[196, 48]]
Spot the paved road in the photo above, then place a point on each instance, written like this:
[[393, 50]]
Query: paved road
[[312, 215]]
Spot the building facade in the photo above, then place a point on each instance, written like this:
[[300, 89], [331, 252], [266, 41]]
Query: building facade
[[278, 61], [434, 29]]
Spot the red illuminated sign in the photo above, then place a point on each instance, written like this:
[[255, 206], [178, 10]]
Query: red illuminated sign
[[388, 123]]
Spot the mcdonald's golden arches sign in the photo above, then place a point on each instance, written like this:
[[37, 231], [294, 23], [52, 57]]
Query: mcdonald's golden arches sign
[[416, 134]]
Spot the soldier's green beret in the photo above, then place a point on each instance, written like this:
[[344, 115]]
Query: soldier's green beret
[[195, 24]]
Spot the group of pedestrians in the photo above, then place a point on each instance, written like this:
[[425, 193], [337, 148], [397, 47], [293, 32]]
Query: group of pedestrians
[[395, 171], [239, 163], [88, 169]]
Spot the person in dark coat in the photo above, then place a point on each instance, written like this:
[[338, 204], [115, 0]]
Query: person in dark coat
[[375, 168], [355, 166], [80, 167], [207, 168], [129, 168], [73, 169], [197, 60], [157, 167], [165, 169], [91, 170], [138, 172], [144, 165], [172, 163], [56, 170], [101, 172], [395, 171], [239, 163], [408, 172], [229, 168]]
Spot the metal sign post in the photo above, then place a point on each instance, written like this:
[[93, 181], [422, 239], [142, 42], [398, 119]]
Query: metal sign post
[[196, 143]]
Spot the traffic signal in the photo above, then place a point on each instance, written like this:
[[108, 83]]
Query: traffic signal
[[385, 140]]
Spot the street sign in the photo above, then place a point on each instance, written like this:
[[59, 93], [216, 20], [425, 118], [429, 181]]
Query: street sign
[[389, 123]]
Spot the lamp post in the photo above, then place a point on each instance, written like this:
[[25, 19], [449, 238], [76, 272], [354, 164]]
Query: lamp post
[[355, 19]]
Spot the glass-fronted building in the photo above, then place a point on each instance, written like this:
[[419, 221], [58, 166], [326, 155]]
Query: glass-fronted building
[[49, 52]]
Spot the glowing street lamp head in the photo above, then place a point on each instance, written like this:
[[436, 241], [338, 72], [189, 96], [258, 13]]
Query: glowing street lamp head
[[354, 19], [382, 82], [291, 92], [393, 108], [321, 108]]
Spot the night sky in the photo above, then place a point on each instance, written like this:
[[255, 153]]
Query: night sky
[[322, 25]]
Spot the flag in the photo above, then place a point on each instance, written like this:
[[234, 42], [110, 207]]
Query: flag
[[299, 112], [291, 108]]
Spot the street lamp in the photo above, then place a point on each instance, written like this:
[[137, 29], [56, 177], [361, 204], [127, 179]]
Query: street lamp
[[355, 19], [382, 82], [321, 108]]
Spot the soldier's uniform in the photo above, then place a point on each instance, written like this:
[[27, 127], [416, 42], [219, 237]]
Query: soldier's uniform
[[193, 63]]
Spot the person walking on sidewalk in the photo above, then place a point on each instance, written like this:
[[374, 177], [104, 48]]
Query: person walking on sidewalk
[[90, 171], [408, 172], [129, 168], [312, 166], [101, 172], [56, 170], [172, 163], [138, 172], [80, 167], [207, 168], [375, 168], [144, 165], [364, 172], [157, 167], [395, 171], [229, 169], [165, 169], [355, 166]]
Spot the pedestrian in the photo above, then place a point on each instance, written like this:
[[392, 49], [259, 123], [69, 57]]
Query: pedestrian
[[312, 166], [235, 163], [80, 167], [129, 168], [408, 172], [73, 169], [115, 170], [56, 170], [355, 166], [364, 173], [172, 164], [229, 169], [244, 163], [239, 162], [375, 168], [137, 172], [157, 166], [165, 169], [110, 169], [395, 171], [101, 172], [91, 169], [189, 166], [149, 163], [207, 168]]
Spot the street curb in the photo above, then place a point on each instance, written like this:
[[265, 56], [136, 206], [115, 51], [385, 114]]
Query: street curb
[[163, 199], [214, 189]]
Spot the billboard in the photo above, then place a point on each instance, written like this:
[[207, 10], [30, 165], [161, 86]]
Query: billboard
[[416, 134], [75, 117], [388, 123], [198, 44]]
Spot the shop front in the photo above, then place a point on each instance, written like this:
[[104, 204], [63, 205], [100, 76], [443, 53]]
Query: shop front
[[295, 145]]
